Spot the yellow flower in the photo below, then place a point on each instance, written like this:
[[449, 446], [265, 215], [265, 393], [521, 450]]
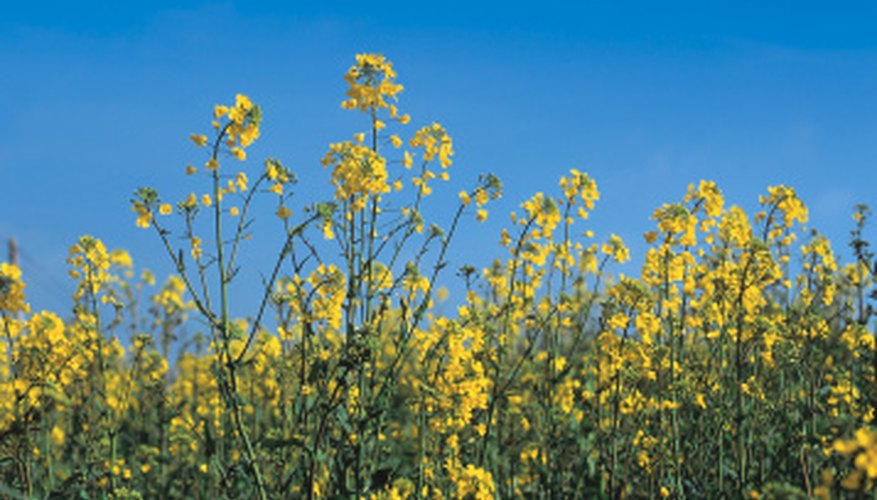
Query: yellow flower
[[165, 209], [234, 212], [196, 247], [241, 181], [190, 170], [243, 102], [144, 217], [371, 83], [327, 230], [206, 200], [283, 212], [190, 201], [239, 153], [465, 198], [121, 258], [57, 436], [249, 134], [618, 321], [199, 140]]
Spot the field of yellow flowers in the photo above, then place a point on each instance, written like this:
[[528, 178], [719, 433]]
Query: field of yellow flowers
[[740, 363]]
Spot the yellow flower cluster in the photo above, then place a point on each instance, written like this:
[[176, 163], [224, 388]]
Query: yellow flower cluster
[[863, 447], [616, 249], [784, 200], [435, 142], [372, 82], [12, 299], [91, 264], [580, 190], [242, 122], [358, 173]]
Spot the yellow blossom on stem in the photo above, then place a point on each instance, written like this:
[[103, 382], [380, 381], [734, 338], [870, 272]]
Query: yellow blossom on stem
[[283, 212]]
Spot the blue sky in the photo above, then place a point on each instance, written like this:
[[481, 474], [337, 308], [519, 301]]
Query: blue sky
[[646, 97]]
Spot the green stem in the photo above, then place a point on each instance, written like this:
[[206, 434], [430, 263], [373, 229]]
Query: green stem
[[227, 362]]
